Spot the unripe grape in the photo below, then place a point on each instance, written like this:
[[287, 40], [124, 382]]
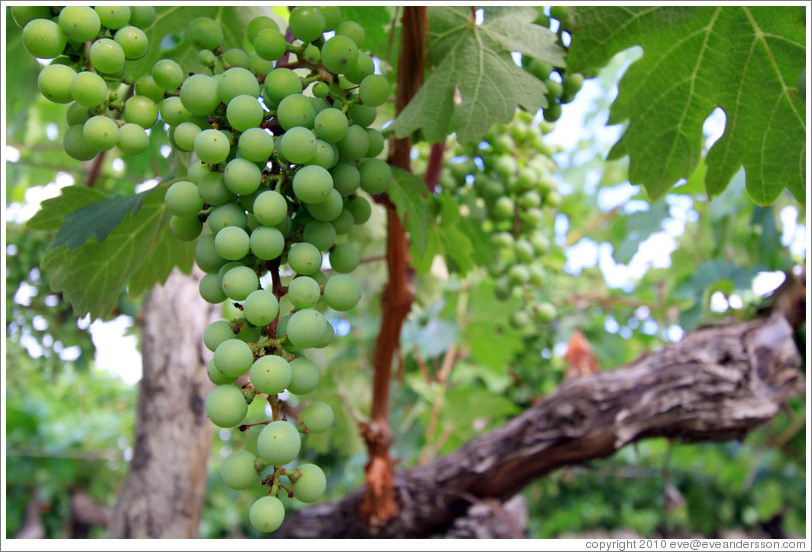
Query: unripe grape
[[342, 292], [279, 443], [54, 81], [260, 307], [376, 142], [76, 114], [217, 377], [327, 210], [182, 199], [113, 17], [141, 111], [303, 292], [259, 23], [100, 132], [212, 188], [524, 250], [266, 514], [339, 54], [210, 289], [233, 357], [545, 312], [226, 406], [133, 41], [518, 275], [297, 145], [244, 112], [145, 86], [360, 209], [199, 95], [351, 29], [282, 82], [184, 135], [306, 328], [305, 376], [332, 16], [167, 74], [270, 374], [317, 416], [376, 176], [205, 33], [256, 145], [43, 38], [311, 484], [132, 139], [344, 258], [374, 90], [239, 282], [304, 258], [107, 56], [238, 471], [259, 66], [320, 234], [172, 111], [519, 319], [23, 14], [142, 16], [270, 208], [232, 243], [354, 145], [320, 89], [363, 116], [330, 124], [363, 67], [236, 57], [312, 184], [267, 243], [75, 145], [235, 82], [206, 258], [217, 332], [295, 110], [306, 23], [242, 177], [552, 112], [79, 23], [270, 44], [325, 156], [211, 146]]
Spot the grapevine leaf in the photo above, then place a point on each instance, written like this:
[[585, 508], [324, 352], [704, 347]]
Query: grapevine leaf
[[457, 246], [92, 276], [409, 196], [53, 211], [744, 59], [374, 20], [96, 220], [468, 91], [637, 227], [491, 337]]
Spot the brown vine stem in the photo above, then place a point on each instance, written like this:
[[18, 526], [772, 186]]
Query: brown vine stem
[[379, 505]]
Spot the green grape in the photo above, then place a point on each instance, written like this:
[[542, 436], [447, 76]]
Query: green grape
[[317, 416], [241, 176], [306, 328], [360, 209], [258, 65], [303, 292], [229, 214], [107, 56], [212, 188], [238, 471], [539, 69], [256, 145], [210, 289], [327, 210], [239, 282], [237, 81], [537, 275], [270, 44], [141, 111], [304, 258], [233, 357], [212, 146], [75, 145], [145, 86], [312, 184], [244, 112], [325, 156], [207, 58], [270, 374], [312, 54], [199, 94], [279, 443], [344, 258], [524, 250], [76, 114], [519, 319], [518, 275], [295, 110], [232, 243], [374, 90], [354, 145], [504, 208], [362, 115], [305, 375], [236, 57], [332, 16], [552, 112], [282, 82], [554, 89], [330, 124], [571, 83], [54, 81], [339, 54], [267, 243], [352, 30], [132, 139], [320, 90], [363, 67], [320, 234], [100, 132], [184, 135], [544, 312], [342, 292], [297, 145], [182, 199], [217, 377], [205, 33], [226, 406], [172, 111], [23, 14], [43, 38], [113, 17], [196, 171], [270, 208], [142, 16], [266, 514], [346, 178], [216, 333], [376, 175], [259, 23], [311, 484], [376, 142], [344, 222], [79, 23], [132, 40], [260, 308], [306, 23], [167, 74], [206, 258]]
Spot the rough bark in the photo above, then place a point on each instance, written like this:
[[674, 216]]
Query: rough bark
[[163, 493], [718, 383]]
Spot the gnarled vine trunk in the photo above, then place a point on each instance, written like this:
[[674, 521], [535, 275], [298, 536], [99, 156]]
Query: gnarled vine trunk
[[163, 493]]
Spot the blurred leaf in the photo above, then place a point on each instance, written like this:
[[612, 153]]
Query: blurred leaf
[[409, 196]]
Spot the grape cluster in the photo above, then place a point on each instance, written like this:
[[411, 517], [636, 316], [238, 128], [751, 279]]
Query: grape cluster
[[280, 148], [505, 183]]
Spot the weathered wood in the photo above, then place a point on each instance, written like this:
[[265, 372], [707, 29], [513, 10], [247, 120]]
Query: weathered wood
[[718, 383], [163, 493]]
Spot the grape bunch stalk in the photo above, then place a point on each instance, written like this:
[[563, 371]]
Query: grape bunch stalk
[[280, 147]]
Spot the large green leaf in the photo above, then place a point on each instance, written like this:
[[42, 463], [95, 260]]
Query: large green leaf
[[475, 83], [138, 251], [743, 59]]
